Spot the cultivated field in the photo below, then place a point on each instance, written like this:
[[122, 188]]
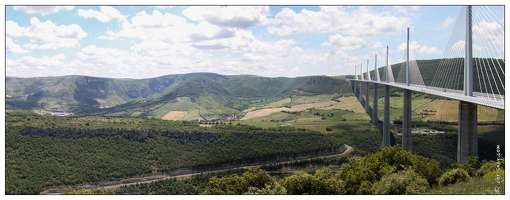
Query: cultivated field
[[348, 103], [296, 100], [192, 115], [175, 115], [447, 110], [296, 108]]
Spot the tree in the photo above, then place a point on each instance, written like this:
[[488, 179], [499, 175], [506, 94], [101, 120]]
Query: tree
[[402, 182], [253, 181]]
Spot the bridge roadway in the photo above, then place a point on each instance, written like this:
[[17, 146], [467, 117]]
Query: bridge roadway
[[477, 98]]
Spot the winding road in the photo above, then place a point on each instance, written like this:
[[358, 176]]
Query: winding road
[[149, 179]]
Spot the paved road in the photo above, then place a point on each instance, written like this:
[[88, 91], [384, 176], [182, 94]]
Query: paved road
[[348, 150]]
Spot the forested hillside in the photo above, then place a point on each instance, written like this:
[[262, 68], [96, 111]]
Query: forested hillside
[[45, 152], [82, 94]]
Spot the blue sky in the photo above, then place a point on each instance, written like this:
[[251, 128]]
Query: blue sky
[[151, 41]]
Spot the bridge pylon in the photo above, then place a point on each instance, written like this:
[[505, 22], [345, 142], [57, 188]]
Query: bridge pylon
[[467, 144], [407, 119]]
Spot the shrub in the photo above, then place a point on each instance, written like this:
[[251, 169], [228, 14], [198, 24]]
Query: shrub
[[486, 168], [403, 182], [323, 182], [493, 174], [365, 188], [454, 176], [471, 166]]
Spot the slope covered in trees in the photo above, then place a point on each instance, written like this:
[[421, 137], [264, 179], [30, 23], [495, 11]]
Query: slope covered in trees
[[46, 152]]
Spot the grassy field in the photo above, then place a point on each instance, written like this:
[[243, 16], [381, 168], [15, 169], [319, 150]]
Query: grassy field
[[193, 115], [447, 110], [174, 115], [474, 186], [179, 104], [501, 116], [296, 100], [348, 103], [278, 104], [296, 108]]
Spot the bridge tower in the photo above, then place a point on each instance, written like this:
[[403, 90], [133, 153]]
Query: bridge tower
[[367, 105], [354, 83], [468, 117], [407, 120], [375, 114], [386, 123], [360, 85]]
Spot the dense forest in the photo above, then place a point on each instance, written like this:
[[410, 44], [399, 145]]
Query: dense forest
[[42, 153]]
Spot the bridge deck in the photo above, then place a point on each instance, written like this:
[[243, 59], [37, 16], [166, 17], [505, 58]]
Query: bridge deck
[[477, 98]]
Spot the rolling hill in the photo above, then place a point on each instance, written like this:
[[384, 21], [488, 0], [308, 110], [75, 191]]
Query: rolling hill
[[211, 94]]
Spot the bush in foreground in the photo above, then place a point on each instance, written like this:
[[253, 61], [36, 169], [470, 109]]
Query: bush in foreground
[[454, 176]]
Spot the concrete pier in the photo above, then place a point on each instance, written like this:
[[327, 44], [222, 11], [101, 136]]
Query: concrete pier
[[407, 122], [467, 144], [386, 125], [367, 105], [375, 113]]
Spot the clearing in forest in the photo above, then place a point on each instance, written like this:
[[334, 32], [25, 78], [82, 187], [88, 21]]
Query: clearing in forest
[[175, 115]]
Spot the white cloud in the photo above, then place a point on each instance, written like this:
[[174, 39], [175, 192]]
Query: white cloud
[[250, 57], [30, 66], [105, 14], [106, 55], [47, 35], [489, 32], [406, 9], [157, 20], [207, 31], [459, 48], [153, 26], [447, 22], [337, 19], [42, 10], [346, 43], [313, 58], [12, 29], [11, 47], [416, 48], [230, 16]]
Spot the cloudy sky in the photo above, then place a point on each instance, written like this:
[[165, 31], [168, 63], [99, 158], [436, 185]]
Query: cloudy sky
[[151, 41]]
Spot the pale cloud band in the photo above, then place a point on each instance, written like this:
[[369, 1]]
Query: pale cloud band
[[142, 42]]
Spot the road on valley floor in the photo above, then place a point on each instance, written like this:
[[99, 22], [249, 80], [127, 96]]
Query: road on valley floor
[[188, 173]]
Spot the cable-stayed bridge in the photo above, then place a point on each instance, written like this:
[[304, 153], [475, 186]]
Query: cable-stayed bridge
[[473, 80]]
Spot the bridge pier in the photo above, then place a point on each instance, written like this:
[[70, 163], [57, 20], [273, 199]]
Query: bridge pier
[[375, 114], [386, 125], [367, 105], [407, 122], [360, 97], [354, 89], [468, 131]]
